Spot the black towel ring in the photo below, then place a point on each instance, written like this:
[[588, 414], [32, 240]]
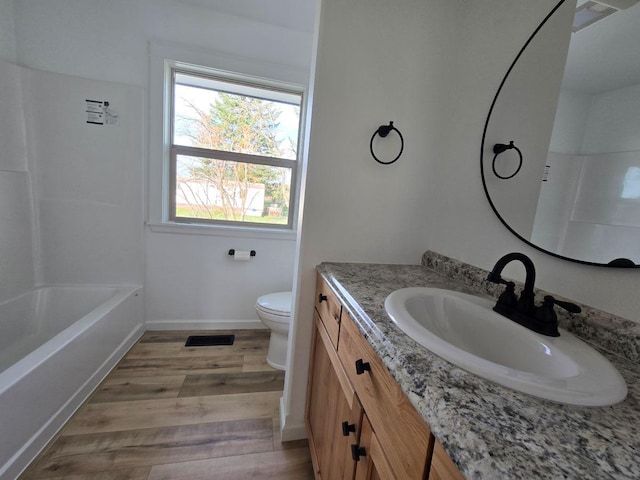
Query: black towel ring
[[499, 148], [383, 131]]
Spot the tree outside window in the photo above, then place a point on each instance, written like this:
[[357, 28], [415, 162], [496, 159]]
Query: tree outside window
[[234, 152]]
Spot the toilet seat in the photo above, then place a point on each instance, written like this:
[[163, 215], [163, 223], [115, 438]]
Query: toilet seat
[[277, 304]]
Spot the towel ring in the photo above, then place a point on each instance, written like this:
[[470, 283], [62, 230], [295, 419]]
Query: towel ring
[[499, 148], [383, 131]]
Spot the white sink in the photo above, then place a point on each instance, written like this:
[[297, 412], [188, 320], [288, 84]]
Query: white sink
[[464, 330]]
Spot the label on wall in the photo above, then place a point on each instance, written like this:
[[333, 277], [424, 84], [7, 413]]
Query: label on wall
[[99, 113]]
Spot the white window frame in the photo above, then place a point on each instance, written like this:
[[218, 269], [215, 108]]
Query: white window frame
[[236, 85], [162, 58]]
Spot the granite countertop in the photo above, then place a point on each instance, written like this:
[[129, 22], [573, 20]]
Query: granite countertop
[[489, 431]]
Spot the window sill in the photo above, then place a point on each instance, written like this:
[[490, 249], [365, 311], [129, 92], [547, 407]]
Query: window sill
[[222, 231]]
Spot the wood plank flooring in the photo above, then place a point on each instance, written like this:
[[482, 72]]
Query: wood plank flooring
[[173, 412]]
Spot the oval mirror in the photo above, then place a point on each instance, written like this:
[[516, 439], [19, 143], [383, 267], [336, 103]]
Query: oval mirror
[[569, 184]]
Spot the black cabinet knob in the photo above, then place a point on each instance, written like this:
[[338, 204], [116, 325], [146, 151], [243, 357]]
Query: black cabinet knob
[[348, 427], [322, 298], [362, 367], [357, 451]]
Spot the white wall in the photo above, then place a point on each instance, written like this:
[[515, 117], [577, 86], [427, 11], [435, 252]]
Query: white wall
[[461, 223], [555, 205], [71, 208], [524, 112], [613, 124], [433, 67], [17, 228], [593, 124], [598, 136], [204, 283], [88, 179], [378, 61], [570, 122], [108, 40], [188, 276], [16, 219], [7, 37]]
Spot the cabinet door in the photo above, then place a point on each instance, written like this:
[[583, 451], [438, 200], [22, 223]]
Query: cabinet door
[[401, 431], [329, 404], [442, 467], [372, 463]]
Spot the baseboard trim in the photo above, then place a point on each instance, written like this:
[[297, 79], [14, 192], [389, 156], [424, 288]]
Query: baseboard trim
[[204, 324], [290, 431]]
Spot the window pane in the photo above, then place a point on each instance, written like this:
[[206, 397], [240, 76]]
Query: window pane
[[208, 118], [241, 192]]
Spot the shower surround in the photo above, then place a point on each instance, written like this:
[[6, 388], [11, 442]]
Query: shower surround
[[71, 220]]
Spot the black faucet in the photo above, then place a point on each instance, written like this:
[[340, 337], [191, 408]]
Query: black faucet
[[523, 310]]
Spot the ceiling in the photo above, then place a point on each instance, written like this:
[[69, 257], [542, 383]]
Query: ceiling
[[602, 57], [292, 14]]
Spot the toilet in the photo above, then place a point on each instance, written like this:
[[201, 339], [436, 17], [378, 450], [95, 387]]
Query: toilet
[[274, 310]]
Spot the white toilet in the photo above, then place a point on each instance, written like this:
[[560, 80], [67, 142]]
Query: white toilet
[[274, 310]]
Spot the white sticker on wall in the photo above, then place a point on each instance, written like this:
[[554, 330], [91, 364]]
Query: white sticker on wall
[[95, 118], [99, 113], [95, 112], [110, 117], [95, 106]]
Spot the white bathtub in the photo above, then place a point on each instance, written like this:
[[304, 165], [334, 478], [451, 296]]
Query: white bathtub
[[56, 344]]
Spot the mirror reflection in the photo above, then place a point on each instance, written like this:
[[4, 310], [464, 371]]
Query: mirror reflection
[[587, 206]]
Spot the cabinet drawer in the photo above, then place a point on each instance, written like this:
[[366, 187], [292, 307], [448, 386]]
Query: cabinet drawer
[[402, 433], [329, 310]]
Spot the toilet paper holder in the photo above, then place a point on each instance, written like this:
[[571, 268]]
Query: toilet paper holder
[[232, 252]]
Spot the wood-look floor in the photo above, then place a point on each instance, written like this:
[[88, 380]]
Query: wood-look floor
[[174, 412]]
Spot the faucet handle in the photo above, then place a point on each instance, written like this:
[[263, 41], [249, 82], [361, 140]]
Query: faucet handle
[[568, 306], [547, 315]]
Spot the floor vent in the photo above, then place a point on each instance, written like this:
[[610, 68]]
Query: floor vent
[[209, 340]]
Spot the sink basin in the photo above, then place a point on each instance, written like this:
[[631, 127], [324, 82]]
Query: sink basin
[[464, 330]]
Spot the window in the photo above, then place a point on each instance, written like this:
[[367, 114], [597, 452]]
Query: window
[[233, 151]]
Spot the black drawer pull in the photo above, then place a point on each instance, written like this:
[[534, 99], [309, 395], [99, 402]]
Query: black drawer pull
[[357, 451], [362, 367], [322, 298], [348, 427]]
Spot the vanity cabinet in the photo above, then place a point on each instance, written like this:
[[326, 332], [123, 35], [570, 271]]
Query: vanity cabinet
[[374, 465], [360, 423], [330, 404], [442, 468], [398, 427], [329, 309]]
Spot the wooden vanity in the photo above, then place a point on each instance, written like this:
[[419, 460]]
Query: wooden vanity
[[360, 423], [488, 430]]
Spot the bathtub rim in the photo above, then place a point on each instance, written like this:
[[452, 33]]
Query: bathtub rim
[[14, 373]]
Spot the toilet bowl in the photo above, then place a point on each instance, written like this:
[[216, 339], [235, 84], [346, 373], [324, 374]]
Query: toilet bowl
[[274, 310]]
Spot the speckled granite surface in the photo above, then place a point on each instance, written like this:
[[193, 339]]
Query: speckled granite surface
[[489, 431]]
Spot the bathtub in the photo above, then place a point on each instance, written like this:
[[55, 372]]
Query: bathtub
[[56, 344]]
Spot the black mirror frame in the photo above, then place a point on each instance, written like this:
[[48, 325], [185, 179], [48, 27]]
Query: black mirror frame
[[613, 264]]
